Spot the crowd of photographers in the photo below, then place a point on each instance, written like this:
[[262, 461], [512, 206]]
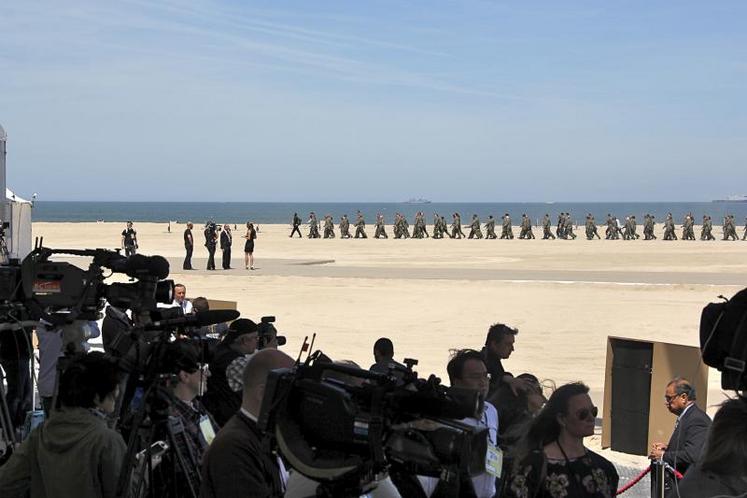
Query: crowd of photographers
[[211, 393]]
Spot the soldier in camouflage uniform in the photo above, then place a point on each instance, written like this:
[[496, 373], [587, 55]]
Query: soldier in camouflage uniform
[[611, 233], [526, 227], [507, 231], [744, 237], [344, 227], [456, 227], [634, 227], [444, 228], [437, 233], [687, 228], [568, 227], [547, 228], [475, 232], [329, 227], [360, 225], [706, 229], [669, 233], [313, 226], [591, 227], [380, 227], [648, 227], [730, 228], [490, 228]]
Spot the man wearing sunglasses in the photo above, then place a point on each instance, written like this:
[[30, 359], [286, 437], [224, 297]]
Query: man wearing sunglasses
[[690, 430]]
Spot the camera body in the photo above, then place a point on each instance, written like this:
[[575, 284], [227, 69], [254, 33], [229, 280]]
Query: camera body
[[352, 430], [268, 334]]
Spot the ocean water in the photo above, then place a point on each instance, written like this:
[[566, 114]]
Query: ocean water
[[282, 212]]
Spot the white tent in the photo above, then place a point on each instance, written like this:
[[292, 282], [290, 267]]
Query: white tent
[[18, 235]]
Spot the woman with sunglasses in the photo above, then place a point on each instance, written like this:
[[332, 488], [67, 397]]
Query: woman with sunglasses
[[551, 459]]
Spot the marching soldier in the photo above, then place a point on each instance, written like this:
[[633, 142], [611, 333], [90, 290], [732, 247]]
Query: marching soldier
[[669, 228], [313, 226], [360, 225], [568, 227], [296, 226], [437, 233], [456, 227], [474, 228], [380, 232], [490, 228], [344, 227], [329, 227], [526, 227], [547, 228], [706, 230], [507, 231]]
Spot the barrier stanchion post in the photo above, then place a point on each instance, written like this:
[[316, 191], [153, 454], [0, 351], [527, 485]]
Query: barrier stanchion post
[[657, 479]]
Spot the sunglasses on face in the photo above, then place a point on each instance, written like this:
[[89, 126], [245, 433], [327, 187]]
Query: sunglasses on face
[[587, 414]]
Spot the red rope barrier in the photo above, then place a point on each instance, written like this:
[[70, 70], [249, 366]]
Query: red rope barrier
[[634, 481]]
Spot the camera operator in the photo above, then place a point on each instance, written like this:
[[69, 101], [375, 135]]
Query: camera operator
[[239, 463], [129, 240], [499, 344], [182, 361], [73, 454], [51, 348], [383, 351], [15, 356], [223, 397], [211, 238], [467, 369]]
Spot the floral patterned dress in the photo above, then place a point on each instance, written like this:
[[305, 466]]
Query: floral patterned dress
[[590, 476]]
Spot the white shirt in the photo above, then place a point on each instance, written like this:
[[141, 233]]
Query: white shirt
[[185, 305], [483, 483]]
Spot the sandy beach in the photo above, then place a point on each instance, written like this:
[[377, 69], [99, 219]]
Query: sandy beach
[[429, 296]]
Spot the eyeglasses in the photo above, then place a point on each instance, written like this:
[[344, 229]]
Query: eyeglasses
[[669, 399], [478, 376], [587, 414]]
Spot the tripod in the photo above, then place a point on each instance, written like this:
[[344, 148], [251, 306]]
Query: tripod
[[163, 438]]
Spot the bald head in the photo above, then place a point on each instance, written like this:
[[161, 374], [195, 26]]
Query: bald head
[[255, 376]]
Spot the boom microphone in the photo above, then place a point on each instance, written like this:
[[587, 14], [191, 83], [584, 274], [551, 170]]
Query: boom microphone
[[200, 319]]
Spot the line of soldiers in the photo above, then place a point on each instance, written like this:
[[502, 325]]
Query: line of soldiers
[[564, 228]]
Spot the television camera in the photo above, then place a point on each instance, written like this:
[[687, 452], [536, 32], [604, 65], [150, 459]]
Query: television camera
[[723, 339], [345, 427]]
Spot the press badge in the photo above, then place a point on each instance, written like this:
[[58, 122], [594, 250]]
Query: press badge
[[494, 461], [207, 429]]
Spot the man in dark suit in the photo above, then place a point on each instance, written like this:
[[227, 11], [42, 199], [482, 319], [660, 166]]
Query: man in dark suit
[[238, 463], [226, 239], [690, 431], [189, 245]]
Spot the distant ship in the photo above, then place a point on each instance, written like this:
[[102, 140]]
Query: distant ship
[[733, 198], [419, 200]]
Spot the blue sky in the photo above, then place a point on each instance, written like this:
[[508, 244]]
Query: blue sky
[[375, 101]]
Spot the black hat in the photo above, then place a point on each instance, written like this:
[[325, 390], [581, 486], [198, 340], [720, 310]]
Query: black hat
[[239, 327]]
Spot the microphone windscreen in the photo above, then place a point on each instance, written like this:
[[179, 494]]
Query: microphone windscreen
[[211, 317], [159, 267]]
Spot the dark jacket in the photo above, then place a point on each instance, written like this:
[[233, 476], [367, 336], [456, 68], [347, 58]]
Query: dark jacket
[[73, 454], [495, 369], [238, 463], [220, 400], [225, 240], [703, 484], [686, 443], [688, 439]]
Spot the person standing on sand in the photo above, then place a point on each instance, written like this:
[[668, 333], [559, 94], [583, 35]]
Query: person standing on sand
[[251, 235], [129, 240], [226, 239], [189, 245]]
